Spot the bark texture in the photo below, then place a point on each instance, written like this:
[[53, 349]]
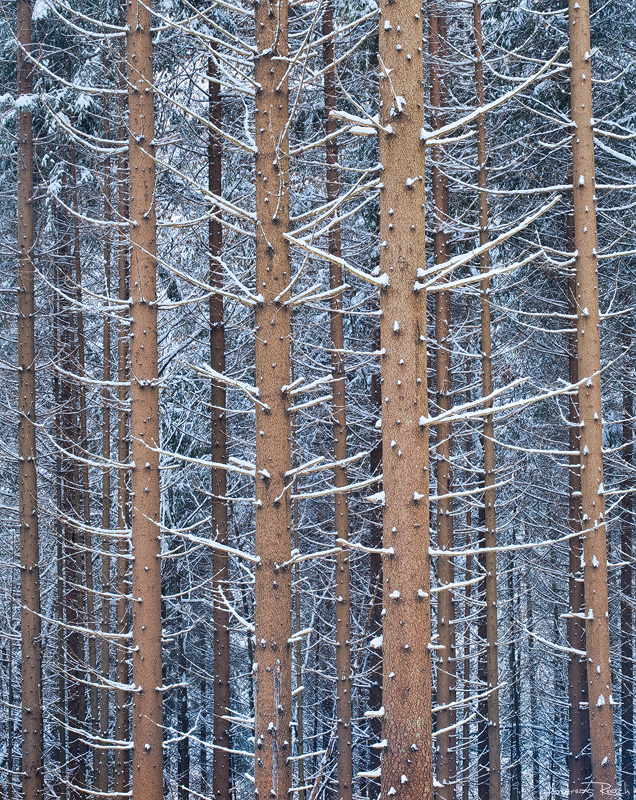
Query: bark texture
[[407, 761], [599, 679], [272, 615], [30, 626], [147, 733]]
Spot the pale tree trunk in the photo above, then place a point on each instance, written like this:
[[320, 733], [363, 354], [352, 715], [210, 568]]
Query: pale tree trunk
[[339, 416], [220, 614], [578, 762], [272, 590], [407, 759], [446, 679], [147, 763], [599, 680], [32, 766], [490, 535]]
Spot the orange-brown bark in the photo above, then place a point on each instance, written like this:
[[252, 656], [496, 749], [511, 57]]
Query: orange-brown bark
[[407, 760], [599, 680], [147, 761], [272, 613], [30, 625]]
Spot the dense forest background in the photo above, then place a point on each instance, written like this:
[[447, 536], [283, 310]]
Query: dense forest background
[[216, 520]]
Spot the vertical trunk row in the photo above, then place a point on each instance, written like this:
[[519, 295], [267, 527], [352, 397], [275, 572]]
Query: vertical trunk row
[[490, 534], [339, 415], [220, 616], [577, 677], [272, 590], [599, 679], [147, 768], [407, 759], [446, 693], [30, 625]]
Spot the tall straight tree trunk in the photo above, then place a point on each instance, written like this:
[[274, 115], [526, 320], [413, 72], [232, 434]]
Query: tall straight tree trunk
[[32, 766], [490, 535], [220, 614], [579, 729], [599, 680], [446, 679], [272, 590], [407, 759], [627, 596], [339, 416], [147, 771], [104, 699]]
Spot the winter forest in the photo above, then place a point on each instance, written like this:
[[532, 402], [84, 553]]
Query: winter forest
[[317, 358]]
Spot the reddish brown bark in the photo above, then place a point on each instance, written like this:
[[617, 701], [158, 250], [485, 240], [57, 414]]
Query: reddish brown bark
[[599, 680], [407, 762], [272, 590], [30, 626], [147, 768]]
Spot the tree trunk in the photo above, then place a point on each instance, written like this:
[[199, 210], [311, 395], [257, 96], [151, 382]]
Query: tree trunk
[[490, 536], [272, 590], [220, 614], [446, 679], [599, 679], [339, 416], [579, 772], [147, 781], [407, 759], [32, 767]]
